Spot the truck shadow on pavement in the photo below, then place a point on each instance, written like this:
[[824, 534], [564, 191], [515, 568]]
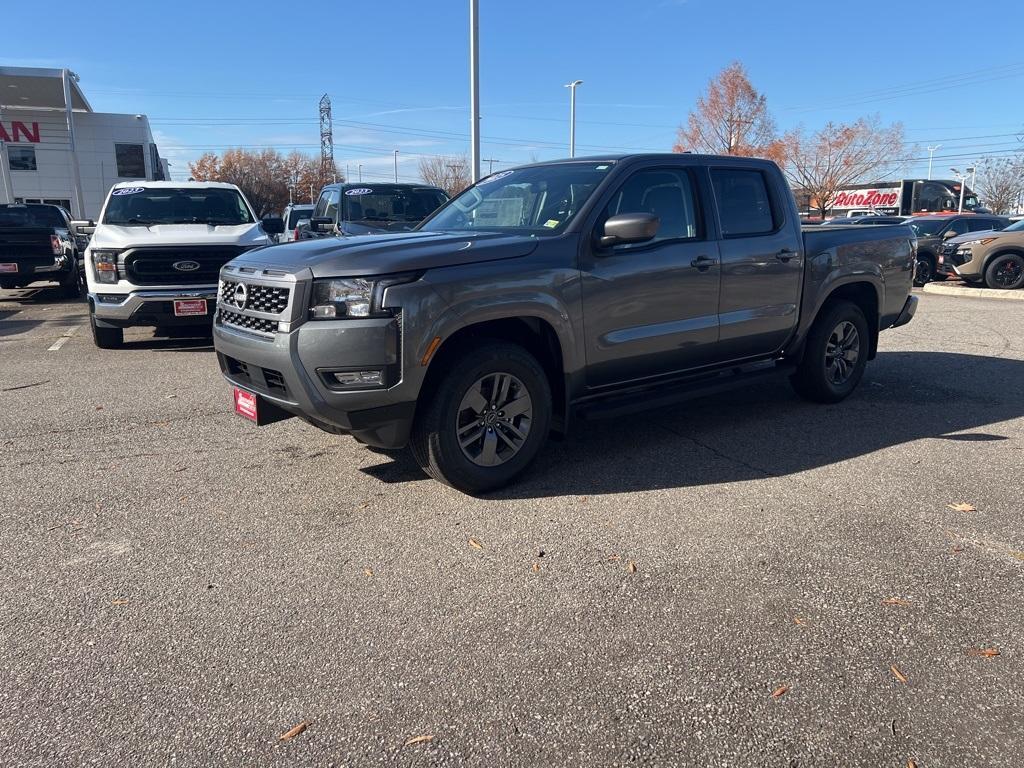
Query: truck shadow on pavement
[[767, 431]]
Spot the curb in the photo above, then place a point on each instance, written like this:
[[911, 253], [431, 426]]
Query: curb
[[976, 293]]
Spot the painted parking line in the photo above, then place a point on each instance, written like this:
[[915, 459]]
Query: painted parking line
[[63, 338]]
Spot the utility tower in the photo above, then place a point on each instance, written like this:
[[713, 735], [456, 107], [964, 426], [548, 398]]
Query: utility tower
[[327, 169]]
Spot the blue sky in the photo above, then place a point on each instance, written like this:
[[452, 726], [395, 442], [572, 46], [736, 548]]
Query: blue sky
[[218, 74]]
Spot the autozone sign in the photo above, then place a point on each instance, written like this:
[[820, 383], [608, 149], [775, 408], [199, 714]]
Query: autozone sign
[[867, 198], [18, 130]]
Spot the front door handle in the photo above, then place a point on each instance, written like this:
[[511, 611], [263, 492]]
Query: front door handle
[[703, 263], [786, 254]]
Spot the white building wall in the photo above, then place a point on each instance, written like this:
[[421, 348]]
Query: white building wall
[[96, 134]]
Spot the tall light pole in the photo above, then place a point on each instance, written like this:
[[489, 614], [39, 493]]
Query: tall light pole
[[974, 173], [360, 172], [963, 183], [474, 88], [396, 166], [931, 152], [572, 115]]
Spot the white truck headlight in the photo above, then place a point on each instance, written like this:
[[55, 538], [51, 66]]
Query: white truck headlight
[[104, 264]]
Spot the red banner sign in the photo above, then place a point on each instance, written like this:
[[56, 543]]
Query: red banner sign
[[19, 130], [867, 198]]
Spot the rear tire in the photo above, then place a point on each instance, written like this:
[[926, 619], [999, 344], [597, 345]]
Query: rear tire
[[486, 419], [71, 285], [835, 354], [7, 284], [106, 338], [1005, 272]]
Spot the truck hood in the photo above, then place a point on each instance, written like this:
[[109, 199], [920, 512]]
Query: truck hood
[[114, 236], [385, 254]]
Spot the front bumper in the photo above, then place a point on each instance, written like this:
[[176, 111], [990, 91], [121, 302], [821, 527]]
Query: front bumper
[[292, 370], [151, 307], [952, 262]]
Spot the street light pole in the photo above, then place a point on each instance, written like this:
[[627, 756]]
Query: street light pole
[[474, 88], [962, 177], [931, 151], [572, 115], [396, 166], [360, 172]]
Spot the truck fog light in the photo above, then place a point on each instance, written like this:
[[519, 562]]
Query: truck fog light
[[359, 378]]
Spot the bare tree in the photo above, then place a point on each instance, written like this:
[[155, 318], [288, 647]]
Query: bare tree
[[1000, 184], [731, 118], [450, 173], [263, 176], [821, 164]]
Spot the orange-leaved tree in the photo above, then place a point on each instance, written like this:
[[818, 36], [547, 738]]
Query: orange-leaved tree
[[820, 164], [731, 118]]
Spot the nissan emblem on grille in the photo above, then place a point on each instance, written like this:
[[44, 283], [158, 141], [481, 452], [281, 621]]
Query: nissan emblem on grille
[[241, 295], [186, 266]]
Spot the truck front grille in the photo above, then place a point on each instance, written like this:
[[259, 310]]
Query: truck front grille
[[246, 322], [177, 265], [259, 298]]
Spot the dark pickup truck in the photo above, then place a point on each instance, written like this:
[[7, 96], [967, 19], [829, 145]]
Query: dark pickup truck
[[552, 292], [370, 209], [37, 243]]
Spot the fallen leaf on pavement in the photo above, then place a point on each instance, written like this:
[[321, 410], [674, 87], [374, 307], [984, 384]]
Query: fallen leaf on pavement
[[614, 558], [781, 691], [988, 653], [1018, 555], [631, 567], [536, 567], [419, 739], [368, 571], [911, 764], [125, 602], [475, 544], [895, 601], [962, 507], [799, 622], [897, 674], [956, 550], [294, 731]]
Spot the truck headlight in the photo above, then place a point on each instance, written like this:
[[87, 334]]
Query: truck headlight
[[105, 265], [352, 297]]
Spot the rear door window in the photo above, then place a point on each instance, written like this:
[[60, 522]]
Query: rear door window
[[745, 206], [327, 205], [959, 226]]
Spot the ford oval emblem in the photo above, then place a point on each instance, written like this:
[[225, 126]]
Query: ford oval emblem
[[186, 266]]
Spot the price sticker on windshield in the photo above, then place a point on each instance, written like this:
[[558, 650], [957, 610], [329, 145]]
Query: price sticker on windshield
[[359, 191], [127, 191]]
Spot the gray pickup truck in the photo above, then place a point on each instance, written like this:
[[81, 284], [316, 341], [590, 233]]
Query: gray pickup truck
[[555, 292]]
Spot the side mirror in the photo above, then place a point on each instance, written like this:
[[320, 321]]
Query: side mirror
[[83, 227], [626, 228], [948, 234], [273, 225], [321, 223]]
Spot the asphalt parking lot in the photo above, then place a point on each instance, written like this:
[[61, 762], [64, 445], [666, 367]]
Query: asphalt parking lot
[[180, 588]]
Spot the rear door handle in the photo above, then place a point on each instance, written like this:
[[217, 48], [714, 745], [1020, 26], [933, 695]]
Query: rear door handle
[[786, 254], [703, 263]]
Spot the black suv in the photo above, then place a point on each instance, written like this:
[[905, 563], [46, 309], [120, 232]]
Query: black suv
[[932, 231]]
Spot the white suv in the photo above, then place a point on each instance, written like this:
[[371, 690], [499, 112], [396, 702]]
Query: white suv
[[155, 255]]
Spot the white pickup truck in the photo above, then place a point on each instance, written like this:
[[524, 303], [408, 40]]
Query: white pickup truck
[[156, 251]]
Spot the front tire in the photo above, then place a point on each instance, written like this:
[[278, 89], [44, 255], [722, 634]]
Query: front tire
[[924, 270], [485, 421], [1006, 272], [71, 285], [835, 355], [106, 338]]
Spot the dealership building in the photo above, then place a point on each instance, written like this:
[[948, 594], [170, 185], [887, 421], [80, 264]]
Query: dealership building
[[55, 149]]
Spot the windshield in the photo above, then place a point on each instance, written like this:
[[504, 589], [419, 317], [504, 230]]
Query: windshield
[[926, 228], [30, 216], [539, 199], [1017, 227], [142, 206], [376, 204]]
